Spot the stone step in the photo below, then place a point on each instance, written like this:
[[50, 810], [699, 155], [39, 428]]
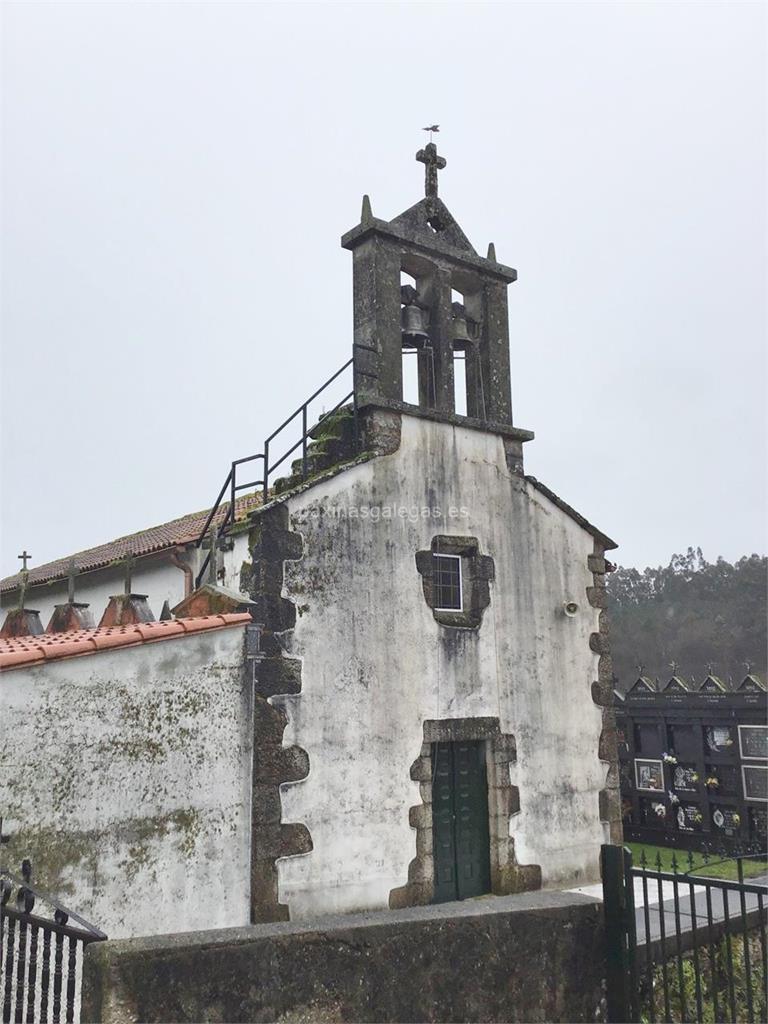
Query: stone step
[[339, 424], [333, 441]]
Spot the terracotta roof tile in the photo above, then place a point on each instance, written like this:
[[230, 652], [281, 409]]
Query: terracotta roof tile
[[18, 652], [184, 530], [205, 622], [21, 657], [160, 630]]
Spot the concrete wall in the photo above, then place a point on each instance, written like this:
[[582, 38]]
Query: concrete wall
[[532, 957], [125, 778], [376, 664], [154, 575]]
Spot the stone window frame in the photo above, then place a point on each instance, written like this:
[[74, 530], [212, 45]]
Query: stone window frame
[[507, 876], [477, 573]]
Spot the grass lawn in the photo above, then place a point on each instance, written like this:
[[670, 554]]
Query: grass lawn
[[717, 868]]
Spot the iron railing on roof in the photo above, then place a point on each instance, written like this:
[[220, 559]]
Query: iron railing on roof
[[232, 486]]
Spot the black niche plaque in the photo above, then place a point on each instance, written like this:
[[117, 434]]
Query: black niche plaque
[[753, 741], [755, 778]]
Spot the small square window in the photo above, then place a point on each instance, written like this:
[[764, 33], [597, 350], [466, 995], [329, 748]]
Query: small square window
[[447, 583]]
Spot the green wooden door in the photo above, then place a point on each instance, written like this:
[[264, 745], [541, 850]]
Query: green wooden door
[[460, 821]]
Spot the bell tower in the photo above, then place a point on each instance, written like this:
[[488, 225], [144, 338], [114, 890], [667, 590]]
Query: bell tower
[[423, 296]]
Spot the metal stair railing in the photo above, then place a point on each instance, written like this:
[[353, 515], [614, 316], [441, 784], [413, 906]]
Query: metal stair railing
[[231, 485]]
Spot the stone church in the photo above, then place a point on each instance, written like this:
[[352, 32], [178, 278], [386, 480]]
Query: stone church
[[395, 685]]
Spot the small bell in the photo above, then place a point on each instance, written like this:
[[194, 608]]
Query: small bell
[[413, 320], [461, 336]]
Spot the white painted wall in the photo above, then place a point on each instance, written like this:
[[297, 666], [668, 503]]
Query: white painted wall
[[125, 777], [231, 562], [376, 664], [155, 575]]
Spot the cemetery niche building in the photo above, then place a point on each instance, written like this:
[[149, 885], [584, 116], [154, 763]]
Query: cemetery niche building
[[384, 675], [694, 763]]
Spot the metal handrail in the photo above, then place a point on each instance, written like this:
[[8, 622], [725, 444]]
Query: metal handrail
[[24, 887], [716, 883], [302, 440], [311, 398], [233, 487]]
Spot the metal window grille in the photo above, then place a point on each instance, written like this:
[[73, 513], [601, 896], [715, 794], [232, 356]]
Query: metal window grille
[[447, 583]]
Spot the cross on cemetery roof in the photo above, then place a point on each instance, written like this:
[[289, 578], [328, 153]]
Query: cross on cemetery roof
[[24, 556]]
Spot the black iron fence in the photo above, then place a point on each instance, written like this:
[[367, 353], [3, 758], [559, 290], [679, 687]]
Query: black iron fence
[[40, 958], [681, 944]]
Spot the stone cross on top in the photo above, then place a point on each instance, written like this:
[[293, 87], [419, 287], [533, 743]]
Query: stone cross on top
[[24, 556], [71, 573], [432, 164], [128, 567]]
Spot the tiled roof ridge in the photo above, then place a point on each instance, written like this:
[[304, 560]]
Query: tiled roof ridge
[[148, 541], [19, 652]]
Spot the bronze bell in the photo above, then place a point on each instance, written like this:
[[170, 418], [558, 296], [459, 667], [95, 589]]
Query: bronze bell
[[414, 325], [462, 339]]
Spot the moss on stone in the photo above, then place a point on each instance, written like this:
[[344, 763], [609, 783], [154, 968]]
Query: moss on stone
[[59, 854], [332, 425]]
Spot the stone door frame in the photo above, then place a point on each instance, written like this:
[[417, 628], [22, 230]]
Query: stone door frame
[[507, 876]]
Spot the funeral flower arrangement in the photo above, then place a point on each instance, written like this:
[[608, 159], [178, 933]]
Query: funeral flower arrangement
[[712, 782], [668, 758]]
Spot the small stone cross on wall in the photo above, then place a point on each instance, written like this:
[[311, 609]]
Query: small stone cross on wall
[[128, 567], [71, 573], [24, 556]]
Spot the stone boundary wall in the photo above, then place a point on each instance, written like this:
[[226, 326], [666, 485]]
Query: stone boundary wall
[[530, 957]]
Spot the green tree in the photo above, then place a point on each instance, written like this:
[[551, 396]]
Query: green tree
[[693, 612]]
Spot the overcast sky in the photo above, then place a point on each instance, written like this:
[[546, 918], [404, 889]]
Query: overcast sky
[[177, 176]]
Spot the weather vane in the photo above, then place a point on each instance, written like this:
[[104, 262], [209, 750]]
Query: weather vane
[[431, 128]]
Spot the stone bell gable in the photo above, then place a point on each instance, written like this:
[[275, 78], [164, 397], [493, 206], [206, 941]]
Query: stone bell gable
[[455, 307]]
